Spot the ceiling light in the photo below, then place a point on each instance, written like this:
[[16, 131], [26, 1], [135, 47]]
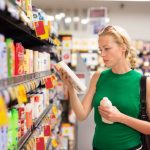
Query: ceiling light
[[51, 18], [84, 21], [62, 15], [76, 19], [68, 20], [107, 20], [58, 17]]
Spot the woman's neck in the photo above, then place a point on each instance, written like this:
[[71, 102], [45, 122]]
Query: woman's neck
[[121, 68]]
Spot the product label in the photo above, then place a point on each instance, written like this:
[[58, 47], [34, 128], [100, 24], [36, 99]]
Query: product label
[[40, 144], [47, 130]]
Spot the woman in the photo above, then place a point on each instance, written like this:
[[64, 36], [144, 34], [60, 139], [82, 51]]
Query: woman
[[121, 85]]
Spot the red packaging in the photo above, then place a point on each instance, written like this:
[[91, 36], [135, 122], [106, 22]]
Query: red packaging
[[40, 144], [39, 28], [19, 59], [48, 83], [47, 130]]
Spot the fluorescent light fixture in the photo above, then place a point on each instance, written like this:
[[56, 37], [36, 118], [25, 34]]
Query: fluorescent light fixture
[[62, 14], [51, 18], [76, 19], [107, 20], [58, 17], [84, 21], [68, 20]]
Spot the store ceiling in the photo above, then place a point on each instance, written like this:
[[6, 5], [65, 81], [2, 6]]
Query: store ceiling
[[83, 4]]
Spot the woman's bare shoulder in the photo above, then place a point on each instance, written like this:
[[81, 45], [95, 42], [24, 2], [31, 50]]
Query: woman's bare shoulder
[[95, 77]]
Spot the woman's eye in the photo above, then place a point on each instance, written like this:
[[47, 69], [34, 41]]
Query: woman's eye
[[107, 49]]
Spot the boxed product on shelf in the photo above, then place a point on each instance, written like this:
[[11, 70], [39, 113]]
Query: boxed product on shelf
[[2, 4], [3, 58], [21, 121], [10, 57], [13, 130], [19, 59], [13, 10], [36, 62]]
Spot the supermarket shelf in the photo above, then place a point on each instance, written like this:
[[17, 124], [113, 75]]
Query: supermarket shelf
[[48, 144], [16, 29], [25, 138], [38, 121], [4, 83]]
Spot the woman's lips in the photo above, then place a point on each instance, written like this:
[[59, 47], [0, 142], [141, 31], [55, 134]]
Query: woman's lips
[[105, 61]]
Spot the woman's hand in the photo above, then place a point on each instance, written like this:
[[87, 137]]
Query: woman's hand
[[65, 78], [110, 113]]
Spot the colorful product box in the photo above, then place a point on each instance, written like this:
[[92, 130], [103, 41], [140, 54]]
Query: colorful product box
[[10, 57], [3, 58], [19, 59]]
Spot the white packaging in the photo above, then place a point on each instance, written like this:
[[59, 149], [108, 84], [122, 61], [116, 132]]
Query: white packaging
[[2, 4], [3, 58], [36, 61], [106, 102], [31, 60], [77, 83]]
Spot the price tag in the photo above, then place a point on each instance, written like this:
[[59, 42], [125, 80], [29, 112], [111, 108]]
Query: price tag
[[47, 130], [41, 30], [40, 144]]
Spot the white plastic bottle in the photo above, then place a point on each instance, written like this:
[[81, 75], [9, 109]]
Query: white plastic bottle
[[106, 102]]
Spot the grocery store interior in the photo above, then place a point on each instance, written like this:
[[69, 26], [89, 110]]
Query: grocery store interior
[[35, 35]]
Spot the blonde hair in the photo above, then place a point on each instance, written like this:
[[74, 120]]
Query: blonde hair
[[122, 38]]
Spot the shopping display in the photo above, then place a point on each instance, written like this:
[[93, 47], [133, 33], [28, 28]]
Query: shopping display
[[35, 111], [30, 93]]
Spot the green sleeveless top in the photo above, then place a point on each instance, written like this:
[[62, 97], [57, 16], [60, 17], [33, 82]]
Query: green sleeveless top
[[123, 90]]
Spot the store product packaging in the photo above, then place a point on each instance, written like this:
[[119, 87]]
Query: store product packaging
[[21, 122], [28, 113], [13, 129], [26, 62], [3, 112], [10, 57], [77, 83], [36, 61], [3, 58], [3, 137], [107, 103], [2, 4], [19, 59]]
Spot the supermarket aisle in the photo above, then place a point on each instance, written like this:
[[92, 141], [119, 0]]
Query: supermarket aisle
[[85, 133]]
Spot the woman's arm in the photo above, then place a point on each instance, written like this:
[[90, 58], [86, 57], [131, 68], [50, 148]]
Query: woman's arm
[[115, 115], [81, 109]]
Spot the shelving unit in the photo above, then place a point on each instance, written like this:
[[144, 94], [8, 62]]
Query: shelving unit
[[24, 139], [18, 31], [4, 83]]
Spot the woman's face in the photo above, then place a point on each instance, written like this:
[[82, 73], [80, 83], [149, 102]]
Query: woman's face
[[110, 51]]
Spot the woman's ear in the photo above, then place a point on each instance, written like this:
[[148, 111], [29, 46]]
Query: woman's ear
[[123, 48]]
